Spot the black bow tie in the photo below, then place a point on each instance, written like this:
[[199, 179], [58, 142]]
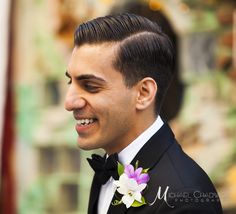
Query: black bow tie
[[104, 167]]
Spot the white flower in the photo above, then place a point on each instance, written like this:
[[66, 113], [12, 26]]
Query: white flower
[[130, 189]]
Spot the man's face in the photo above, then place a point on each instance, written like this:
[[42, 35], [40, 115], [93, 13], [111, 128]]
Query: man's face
[[102, 105]]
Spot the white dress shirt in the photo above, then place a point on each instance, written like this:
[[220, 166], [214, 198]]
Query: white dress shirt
[[125, 157]]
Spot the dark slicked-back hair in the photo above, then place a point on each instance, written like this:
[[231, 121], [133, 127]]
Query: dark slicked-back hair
[[143, 49]]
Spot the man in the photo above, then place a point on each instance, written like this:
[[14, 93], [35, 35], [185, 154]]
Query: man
[[119, 72]]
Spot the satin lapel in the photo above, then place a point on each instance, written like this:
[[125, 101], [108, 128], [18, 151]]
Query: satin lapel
[[153, 150], [93, 198], [148, 156]]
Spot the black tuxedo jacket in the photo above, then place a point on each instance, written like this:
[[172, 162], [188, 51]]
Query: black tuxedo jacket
[[177, 184]]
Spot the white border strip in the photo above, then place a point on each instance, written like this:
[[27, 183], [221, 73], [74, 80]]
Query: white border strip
[[4, 30]]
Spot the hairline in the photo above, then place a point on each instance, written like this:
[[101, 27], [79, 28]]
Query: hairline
[[117, 44]]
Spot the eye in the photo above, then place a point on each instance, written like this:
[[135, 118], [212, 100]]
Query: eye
[[90, 88]]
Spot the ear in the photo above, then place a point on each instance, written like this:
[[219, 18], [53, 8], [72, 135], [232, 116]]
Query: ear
[[147, 89]]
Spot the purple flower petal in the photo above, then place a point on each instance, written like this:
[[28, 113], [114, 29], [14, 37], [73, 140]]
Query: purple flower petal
[[138, 172], [129, 170], [143, 178]]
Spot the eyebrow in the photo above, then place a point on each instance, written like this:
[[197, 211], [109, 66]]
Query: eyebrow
[[87, 77], [67, 74]]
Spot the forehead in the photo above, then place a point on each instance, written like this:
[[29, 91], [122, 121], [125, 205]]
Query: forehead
[[93, 59]]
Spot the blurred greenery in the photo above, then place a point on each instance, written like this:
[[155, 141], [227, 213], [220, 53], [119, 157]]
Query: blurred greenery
[[204, 21], [219, 173], [28, 111], [203, 4], [49, 58], [225, 93], [36, 199], [223, 85]]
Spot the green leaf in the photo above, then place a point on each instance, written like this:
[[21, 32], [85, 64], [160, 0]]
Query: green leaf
[[120, 168], [116, 202], [139, 204], [136, 164], [145, 170]]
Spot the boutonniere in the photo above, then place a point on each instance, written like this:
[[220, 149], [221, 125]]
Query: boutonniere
[[132, 181]]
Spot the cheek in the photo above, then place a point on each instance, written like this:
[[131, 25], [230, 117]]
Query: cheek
[[121, 112], [115, 106]]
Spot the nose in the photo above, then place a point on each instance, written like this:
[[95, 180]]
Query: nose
[[74, 100]]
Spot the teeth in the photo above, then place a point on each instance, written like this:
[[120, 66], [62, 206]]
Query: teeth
[[84, 122]]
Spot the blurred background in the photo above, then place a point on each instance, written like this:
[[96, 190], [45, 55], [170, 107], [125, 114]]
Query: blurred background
[[42, 170]]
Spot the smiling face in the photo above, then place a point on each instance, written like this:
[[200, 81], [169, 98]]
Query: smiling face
[[105, 109]]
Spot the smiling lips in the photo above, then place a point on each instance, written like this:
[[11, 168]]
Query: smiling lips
[[83, 124]]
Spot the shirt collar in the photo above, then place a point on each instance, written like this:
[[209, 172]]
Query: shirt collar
[[129, 152]]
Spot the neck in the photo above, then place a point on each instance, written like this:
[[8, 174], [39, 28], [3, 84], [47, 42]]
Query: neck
[[141, 123]]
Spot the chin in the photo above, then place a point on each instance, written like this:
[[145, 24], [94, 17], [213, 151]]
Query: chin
[[87, 146]]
